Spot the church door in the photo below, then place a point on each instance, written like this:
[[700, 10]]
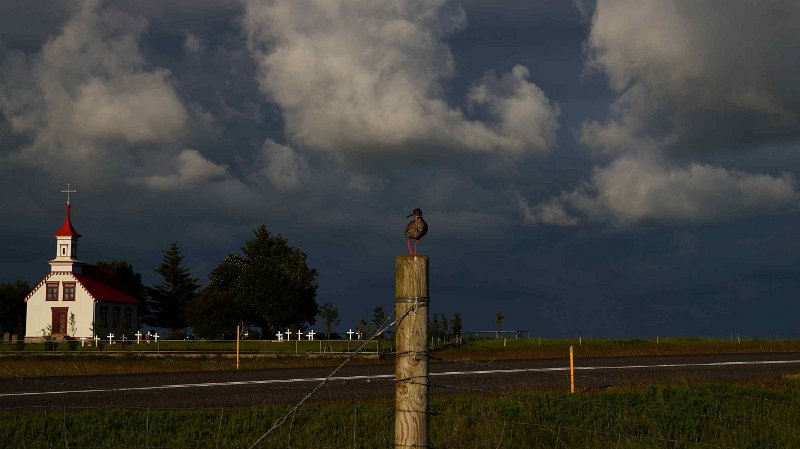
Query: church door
[[59, 326]]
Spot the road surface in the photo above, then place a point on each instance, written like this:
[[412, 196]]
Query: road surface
[[231, 389]]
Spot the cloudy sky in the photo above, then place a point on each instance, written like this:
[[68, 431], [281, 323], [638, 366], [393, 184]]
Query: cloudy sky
[[623, 168]]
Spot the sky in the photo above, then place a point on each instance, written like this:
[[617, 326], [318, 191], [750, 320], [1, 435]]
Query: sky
[[614, 169]]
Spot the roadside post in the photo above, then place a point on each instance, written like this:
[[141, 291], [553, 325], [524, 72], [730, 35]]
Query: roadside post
[[411, 369], [571, 371]]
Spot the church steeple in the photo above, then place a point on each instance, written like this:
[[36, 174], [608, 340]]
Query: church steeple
[[66, 243]]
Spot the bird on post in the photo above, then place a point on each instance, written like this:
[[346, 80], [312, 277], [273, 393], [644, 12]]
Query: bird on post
[[416, 229]]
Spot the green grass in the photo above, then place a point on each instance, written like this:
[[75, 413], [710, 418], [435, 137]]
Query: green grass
[[245, 347], [534, 348], [755, 416]]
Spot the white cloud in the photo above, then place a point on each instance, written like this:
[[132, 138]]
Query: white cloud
[[691, 77], [191, 169], [367, 77], [138, 107], [519, 108], [696, 75], [282, 165], [89, 94], [635, 189]]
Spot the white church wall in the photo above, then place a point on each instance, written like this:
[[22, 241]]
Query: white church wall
[[40, 310]]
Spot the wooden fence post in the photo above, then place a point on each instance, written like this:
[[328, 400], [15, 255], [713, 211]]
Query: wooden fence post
[[411, 370]]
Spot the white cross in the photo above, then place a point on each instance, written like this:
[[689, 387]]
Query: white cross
[[83, 340], [68, 191], [280, 336], [288, 334], [359, 335], [96, 340], [123, 338], [310, 334], [110, 336], [350, 334], [156, 336], [138, 337], [299, 334]]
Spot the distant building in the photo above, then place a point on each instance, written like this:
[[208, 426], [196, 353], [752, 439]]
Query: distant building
[[90, 293]]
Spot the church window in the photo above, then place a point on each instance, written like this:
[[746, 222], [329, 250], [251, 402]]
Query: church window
[[69, 291], [102, 317], [52, 291], [115, 318], [128, 318]]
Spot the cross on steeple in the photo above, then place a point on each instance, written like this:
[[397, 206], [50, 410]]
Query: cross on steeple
[[68, 191]]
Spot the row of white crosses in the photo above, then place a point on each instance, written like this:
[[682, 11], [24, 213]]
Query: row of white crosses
[[310, 335], [110, 337]]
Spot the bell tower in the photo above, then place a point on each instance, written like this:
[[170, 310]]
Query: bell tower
[[66, 244]]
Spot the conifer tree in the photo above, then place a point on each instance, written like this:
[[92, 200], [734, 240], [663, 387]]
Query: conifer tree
[[169, 298]]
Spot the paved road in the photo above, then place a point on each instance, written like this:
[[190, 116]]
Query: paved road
[[231, 389]]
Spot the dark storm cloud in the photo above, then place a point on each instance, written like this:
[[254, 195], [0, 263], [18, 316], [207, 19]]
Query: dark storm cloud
[[330, 120]]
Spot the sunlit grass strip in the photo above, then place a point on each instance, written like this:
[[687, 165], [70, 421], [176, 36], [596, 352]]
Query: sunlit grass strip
[[535, 348], [217, 346], [654, 417]]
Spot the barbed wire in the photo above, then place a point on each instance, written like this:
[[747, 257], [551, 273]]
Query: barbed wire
[[279, 422]]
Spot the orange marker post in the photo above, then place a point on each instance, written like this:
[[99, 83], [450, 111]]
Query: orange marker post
[[571, 371], [237, 347]]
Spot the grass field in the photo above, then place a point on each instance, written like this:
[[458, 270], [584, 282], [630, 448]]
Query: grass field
[[189, 356], [687, 416], [736, 416]]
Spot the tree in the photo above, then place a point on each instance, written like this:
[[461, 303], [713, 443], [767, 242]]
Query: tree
[[498, 321], [270, 284], [13, 307], [212, 314], [130, 282], [378, 317], [330, 316], [169, 298], [364, 328], [457, 326]]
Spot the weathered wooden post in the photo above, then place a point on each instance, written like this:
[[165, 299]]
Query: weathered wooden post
[[411, 371]]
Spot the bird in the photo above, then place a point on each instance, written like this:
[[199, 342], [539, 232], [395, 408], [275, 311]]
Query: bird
[[416, 229]]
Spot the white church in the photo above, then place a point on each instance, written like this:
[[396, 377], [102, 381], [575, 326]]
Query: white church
[[90, 294]]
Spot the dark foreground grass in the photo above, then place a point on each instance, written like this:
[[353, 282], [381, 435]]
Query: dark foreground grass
[[701, 416]]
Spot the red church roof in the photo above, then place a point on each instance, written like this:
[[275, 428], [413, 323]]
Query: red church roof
[[103, 285], [66, 229]]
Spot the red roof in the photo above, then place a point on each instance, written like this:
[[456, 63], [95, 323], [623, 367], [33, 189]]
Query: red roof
[[66, 229], [103, 285]]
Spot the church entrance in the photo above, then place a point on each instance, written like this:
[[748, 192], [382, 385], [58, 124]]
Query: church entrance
[[59, 326]]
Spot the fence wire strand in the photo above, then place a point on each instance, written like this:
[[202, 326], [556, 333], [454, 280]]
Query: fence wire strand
[[279, 422]]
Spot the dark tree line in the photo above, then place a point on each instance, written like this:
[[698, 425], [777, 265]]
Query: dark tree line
[[440, 326], [12, 307]]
